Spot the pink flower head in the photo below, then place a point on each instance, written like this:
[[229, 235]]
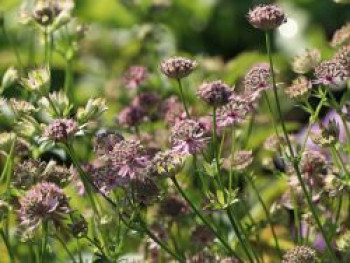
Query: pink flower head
[[135, 76], [258, 78]]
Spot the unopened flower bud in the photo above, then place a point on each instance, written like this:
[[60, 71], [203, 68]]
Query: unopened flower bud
[[38, 80], [266, 17], [10, 77], [306, 61], [177, 67]]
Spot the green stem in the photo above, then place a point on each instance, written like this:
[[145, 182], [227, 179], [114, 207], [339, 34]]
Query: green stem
[[295, 162], [267, 213], [68, 78], [216, 151], [44, 241], [204, 220], [8, 246], [183, 98]]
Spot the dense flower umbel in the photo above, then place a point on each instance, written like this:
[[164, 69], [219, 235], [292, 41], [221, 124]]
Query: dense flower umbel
[[187, 137], [306, 61], [300, 254], [27, 173], [343, 56], [45, 201], [328, 134], [174, 206], [177, 67], [266, 17], [105, 141], [38, 80], [234, 112], [61, 130], [299, 88], [331, 72], [131, 116], [128, 157], [167, 163], [341, 36], [258, 78], [21, 107], [215, 93], [57, 174], [135, 76]]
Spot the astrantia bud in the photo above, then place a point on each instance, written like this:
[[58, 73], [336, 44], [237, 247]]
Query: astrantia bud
[[300, 254], [332, 73], [177, 67], [61, 130], [258, 78], [21, 107], [27, 173], [93, 110], [300, 87], [57, 105], [38, 80], [215, 93], [341, 36], [57, 174], [266, 17], [167, 163], [9, 78], [105, 142], [306, 61]]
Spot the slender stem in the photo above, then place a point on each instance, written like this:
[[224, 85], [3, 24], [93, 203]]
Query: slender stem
[[8, 246], [267, 212], [44, 241], [295, 162], [65, 248], [297, 221], [68, 78], [204, 220], [183, 98], [340, 159], [216, 150]]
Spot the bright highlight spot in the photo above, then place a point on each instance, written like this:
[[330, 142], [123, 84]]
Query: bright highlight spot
[[289, 29]]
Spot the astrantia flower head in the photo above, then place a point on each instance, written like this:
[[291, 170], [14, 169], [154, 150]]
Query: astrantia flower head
[[43, 202], [172, 111], [341, 36], [131, 116], [343, 56], [215, 93], [332, 73], [135, 76], [187, 137], [128, 156], [266, 17], [177, 67], [21, 107], [105, 141], [258, 78], [300, 254], [57, 174], [232, 113], [165, 163], [300, 87], [202, 236], [328, 135], [27, 173], [146, 101], [306, 61], [174, 206], [61, 130]]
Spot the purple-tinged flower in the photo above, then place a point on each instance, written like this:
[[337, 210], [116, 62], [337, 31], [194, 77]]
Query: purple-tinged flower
[[300, 254], [300, 87], [258, 78], [202, 236], [135, 76], [232, 113], [341, 36], [27, 173], [128, 158], [177, 67], [215, 93], [306, 61], [343, 56], [331, 72], [147, 101], [174, 207], [266, 17], [57, 174], [61, 129], [187, 137], [131, 116], [249, 99], [105, 141], [328, 135], [43, 202], [171, 110], [165, 163]]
